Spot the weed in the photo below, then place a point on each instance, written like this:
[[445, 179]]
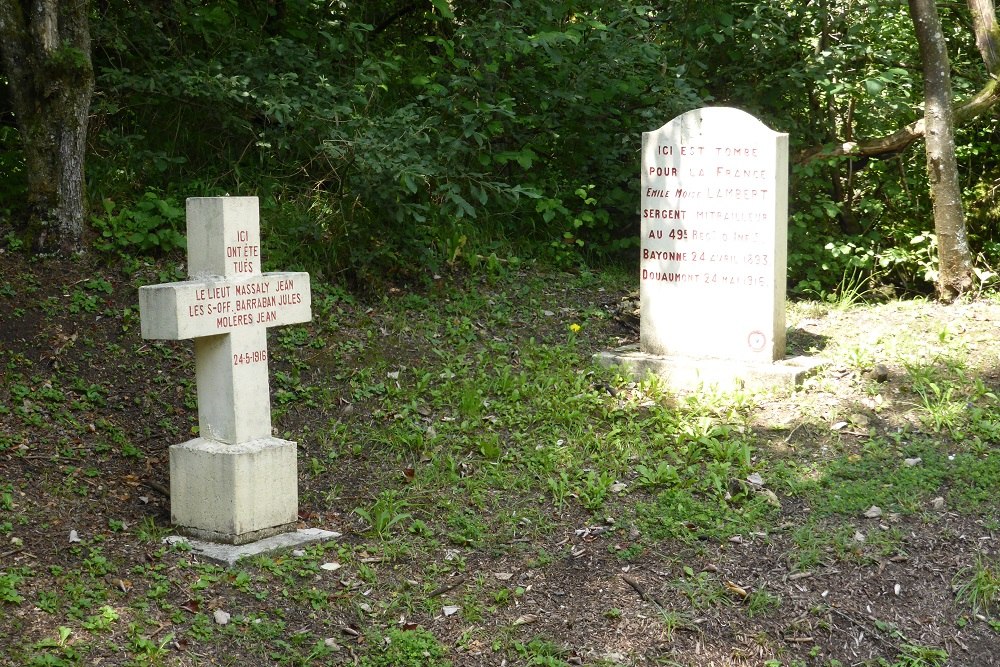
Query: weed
[[9, 581], [760, 603], [541, 652], [663, 474], [559, 487], [385, 512], [979, 585], [915, 655], [149, 532], [673, 620], [702, 590], [405, 648], [59, 652], [594, 489], [101, 621]]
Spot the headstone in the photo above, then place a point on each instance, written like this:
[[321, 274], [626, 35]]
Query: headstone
[[714, 219], [713, 212], [235, 483]]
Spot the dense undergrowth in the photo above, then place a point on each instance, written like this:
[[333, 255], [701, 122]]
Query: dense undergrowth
[[386, 140]]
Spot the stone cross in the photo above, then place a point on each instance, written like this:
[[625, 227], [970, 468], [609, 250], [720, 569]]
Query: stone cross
[[235, 483]]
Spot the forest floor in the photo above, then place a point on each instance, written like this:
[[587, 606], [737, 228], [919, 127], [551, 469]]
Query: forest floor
[[500, 500]]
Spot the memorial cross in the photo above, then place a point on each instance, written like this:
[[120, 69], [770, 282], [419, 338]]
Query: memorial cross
[[235, 483], [226, 307]]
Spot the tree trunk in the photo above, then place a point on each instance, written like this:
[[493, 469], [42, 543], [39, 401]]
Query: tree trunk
[[984, 20], [954, 257], [988, 41], [45, 51]]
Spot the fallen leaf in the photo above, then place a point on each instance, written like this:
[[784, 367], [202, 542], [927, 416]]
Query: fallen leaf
[[858, 419], [330, 567], [739, 591], [503, 576], [525, 620], [771, 497]]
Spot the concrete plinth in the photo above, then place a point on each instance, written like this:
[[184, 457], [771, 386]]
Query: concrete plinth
[[689, 374], [229, 554], [233, 493]]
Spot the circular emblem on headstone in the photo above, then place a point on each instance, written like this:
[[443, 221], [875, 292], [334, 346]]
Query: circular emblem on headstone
[[757, 341]]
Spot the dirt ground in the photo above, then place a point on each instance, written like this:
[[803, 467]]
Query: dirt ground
[[597, 607]]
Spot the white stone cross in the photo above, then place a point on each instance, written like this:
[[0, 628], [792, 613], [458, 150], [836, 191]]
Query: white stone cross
[[225, 307], [235, 483]]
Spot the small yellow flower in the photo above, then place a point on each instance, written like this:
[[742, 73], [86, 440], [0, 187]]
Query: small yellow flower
[[574, 327]]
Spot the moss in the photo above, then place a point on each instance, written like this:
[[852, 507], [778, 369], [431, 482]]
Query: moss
[[69, 60]]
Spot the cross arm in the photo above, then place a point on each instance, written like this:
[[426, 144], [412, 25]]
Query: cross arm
[[217, 305]]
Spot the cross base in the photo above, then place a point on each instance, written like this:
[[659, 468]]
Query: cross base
[[230, 554], [234, 493]]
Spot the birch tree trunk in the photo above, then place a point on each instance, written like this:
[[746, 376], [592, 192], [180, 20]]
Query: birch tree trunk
[[954, 257], [45, 55]]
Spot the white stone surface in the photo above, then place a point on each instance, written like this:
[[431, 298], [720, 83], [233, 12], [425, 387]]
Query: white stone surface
[[714, 232], [687, 374], [230, 554], [235, 483], [216, 304], [233, 493]]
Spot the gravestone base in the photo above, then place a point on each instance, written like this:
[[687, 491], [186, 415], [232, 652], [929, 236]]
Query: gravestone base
[[233, 493], [229, 554], [690, 374]]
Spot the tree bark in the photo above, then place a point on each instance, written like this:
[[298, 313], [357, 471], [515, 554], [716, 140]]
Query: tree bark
[[954, 257], [984, 20], [45, 55]]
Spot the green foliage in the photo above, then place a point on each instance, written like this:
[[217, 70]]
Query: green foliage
[[390, 143], [541, 652], [9, 581], [978, 586], [406, 648], [151, 225], [385, 512], [393, 144]]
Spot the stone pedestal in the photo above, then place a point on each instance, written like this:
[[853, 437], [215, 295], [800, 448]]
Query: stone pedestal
[[233, 493], [693, 374]]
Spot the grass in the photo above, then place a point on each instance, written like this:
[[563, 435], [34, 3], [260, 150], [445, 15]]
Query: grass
[[452, 435], [978, 586]]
